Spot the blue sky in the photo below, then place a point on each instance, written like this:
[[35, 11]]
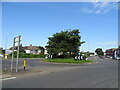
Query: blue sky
[[35, 22]]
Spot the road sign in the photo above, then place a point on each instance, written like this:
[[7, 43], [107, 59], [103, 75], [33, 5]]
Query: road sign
[[16, 42], [16, 39]]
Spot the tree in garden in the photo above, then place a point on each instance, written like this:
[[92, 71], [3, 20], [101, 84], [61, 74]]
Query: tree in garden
[[21, 49], [99, 52], [3, 52], [65, 43], [42, 49]]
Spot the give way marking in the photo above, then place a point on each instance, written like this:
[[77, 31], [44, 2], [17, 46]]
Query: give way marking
[[8, 78]]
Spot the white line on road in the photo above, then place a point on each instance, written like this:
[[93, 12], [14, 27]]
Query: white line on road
[[8, 78]]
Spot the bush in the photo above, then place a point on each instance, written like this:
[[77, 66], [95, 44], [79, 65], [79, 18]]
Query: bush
[[66, 55], [25, 55]]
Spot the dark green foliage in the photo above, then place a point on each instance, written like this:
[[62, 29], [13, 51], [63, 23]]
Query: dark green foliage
[[42, 49], [66, 42], [3, 52], [21, 49], [99, 52]]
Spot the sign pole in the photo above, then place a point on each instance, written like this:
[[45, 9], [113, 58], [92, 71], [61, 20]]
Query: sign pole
[[18, 53], [12, 54]]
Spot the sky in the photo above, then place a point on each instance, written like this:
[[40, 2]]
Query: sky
[[36, 21]]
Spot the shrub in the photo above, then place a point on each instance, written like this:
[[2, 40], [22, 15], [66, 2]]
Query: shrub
[[25, 55]]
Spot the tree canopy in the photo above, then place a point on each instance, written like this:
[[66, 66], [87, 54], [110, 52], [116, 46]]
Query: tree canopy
[[64, 43], [99, 52]]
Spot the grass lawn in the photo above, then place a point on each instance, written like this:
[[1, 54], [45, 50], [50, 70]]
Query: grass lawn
[[68, 60]]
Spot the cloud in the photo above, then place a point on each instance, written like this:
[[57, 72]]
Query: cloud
[[108, 43], [100, 7], [85, 10]]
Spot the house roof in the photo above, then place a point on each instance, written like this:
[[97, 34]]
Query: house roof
[[27, 47], [112, 49], [31, 48], [14, 48]]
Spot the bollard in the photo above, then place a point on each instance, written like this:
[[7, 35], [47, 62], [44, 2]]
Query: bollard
[[24, 64]]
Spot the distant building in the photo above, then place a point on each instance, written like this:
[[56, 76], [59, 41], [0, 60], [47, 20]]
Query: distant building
[[109, 52], [113, 53], [30, 49], [45, 52], [116, 53], [92, 54]]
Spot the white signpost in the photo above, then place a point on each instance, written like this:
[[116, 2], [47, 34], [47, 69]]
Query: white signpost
[[16, 42]]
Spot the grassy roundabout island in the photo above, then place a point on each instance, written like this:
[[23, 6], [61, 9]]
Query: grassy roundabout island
[[68, 60]]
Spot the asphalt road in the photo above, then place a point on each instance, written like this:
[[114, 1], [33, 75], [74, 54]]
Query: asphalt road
[[102, 74]]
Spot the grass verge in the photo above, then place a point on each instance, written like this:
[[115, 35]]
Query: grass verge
[[68, 60]]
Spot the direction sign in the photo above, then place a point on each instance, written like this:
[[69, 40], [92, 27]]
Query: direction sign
[[16, 42]]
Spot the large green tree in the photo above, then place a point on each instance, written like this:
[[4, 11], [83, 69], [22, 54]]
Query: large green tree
[[64, 43], [99, 52]]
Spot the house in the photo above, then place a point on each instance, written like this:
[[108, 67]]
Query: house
[[92, 54], [29, 49], [32, 49], [45, 52], [109, 52], [116, 53]]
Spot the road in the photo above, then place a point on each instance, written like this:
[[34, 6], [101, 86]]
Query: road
[[102, 74]]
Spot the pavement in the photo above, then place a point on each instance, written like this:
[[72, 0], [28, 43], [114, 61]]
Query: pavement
[[103, 73]]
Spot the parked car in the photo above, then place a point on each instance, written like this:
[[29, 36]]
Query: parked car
[[101, 57]]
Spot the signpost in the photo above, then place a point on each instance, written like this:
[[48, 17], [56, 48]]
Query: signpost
[[16, 42]]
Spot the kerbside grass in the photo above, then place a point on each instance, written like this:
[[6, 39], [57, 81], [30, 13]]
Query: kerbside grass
[[67, 60]]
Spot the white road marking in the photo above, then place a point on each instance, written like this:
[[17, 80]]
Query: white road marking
[[8, 78]]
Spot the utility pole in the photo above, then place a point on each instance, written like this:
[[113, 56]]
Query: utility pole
[[6, 49], [12, 54], [88, 44]]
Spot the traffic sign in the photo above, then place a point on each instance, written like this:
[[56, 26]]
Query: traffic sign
[[16, 42]]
